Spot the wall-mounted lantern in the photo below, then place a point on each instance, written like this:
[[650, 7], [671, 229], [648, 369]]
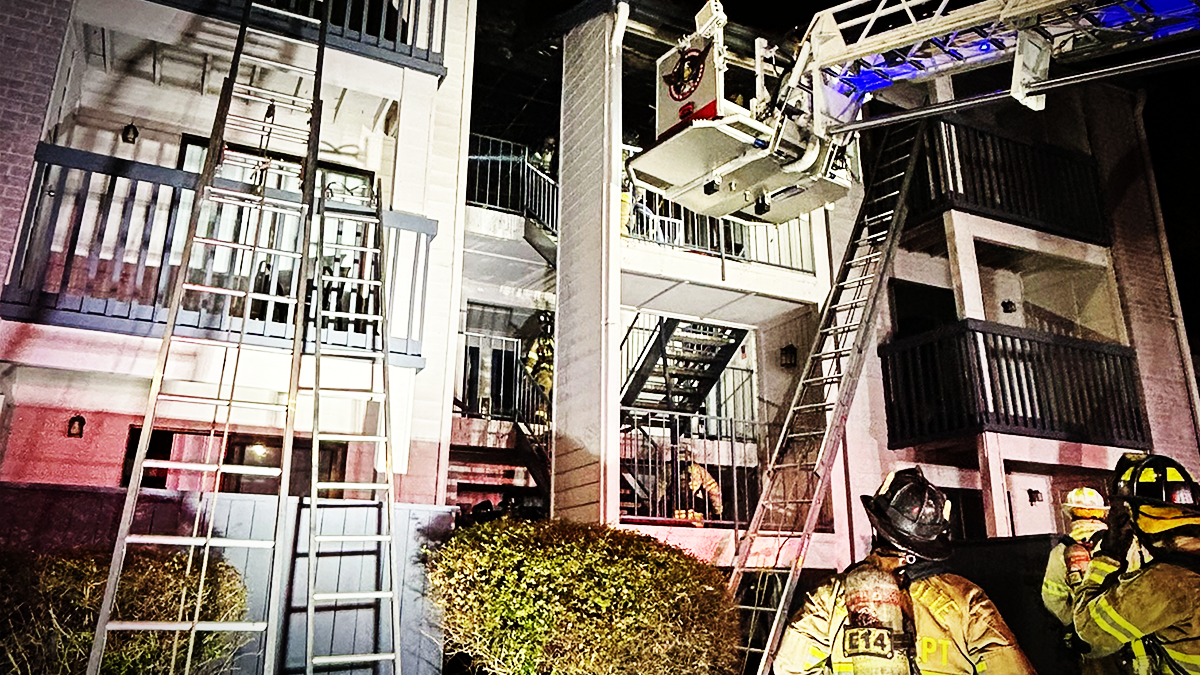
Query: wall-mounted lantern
[[788, 356], [130, 133], [75, 426], [1008, 306]]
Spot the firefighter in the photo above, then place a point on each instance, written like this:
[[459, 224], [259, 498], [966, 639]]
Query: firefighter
[[1085, 511], [900, 611], [1142, 588]]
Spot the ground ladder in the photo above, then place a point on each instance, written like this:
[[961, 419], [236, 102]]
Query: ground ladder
[[764, 579], [250, 246]]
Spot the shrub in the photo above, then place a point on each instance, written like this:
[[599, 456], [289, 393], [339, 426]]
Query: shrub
[[49, 605], [552, 596]]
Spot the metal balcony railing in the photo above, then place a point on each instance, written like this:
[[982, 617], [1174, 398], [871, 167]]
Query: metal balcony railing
[[979, 376], [683, 469], [410, 33], [102, 242], [788, 245], [500, 176], [1047, 189]]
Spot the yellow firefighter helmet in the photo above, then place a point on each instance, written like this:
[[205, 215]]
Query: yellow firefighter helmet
[[1084, 502]]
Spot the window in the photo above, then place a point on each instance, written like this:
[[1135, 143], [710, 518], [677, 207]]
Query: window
[[247, 449]]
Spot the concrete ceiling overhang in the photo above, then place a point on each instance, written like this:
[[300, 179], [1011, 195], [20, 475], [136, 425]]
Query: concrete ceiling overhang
[[703, 301]]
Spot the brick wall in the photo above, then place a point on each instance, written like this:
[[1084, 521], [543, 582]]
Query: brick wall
[[1128, 190], [31, 35]]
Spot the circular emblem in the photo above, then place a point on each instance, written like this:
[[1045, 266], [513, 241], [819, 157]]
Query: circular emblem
[[686, 75]]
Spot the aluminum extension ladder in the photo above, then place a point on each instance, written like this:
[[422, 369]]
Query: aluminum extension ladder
[[272, 231], [797, 477]]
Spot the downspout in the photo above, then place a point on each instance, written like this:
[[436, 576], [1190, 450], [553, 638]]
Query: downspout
[[1189, 370], [618, 36]]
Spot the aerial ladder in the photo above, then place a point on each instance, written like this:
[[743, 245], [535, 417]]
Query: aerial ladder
[[316, 261], [786, 153]]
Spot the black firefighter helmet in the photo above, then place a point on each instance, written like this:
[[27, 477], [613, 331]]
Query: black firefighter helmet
[[1163, 499], [911, 514]]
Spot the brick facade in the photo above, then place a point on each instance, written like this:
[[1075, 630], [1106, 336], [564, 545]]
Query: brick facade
[[31, 37]]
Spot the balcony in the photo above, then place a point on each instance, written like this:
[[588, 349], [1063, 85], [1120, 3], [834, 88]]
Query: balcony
[[500, 176], [976, 376], [407, 33], [102, 243], [1046, 189]]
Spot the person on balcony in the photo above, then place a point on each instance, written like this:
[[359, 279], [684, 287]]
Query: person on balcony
[[900, 611], [1085, 511], [1141, 592]]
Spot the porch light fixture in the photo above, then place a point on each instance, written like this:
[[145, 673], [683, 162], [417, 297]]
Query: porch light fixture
[[1008, 306], [788, 356], [75, 426], [130, 133]]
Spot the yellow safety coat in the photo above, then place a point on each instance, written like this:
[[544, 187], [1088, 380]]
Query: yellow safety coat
[[1158, 602], [959, 631]]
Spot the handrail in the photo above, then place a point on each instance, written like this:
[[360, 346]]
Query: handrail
[[408, 33], [100, 246], [976, 376]]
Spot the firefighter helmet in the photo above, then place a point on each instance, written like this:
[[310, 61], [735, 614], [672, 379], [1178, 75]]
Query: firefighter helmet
[[1162, 497], [911, 514], [1084, 502], [1120, 487]]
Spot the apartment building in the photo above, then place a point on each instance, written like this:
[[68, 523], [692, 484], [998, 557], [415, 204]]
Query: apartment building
[[567, 339]]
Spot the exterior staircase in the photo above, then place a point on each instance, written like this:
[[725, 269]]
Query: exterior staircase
[[678, 365]]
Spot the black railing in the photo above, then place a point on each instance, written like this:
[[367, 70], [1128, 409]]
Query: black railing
[[102, 243], [500, 176], [679, 468], [410, 33], [1043, 188], [978, 376]]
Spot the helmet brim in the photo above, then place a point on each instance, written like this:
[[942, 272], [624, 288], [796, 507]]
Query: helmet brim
[[935, 549]]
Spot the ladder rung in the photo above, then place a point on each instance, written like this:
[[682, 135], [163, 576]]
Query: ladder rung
[[351, 438], [351, 538], [285, 13], [816, 406], [201, 288], [833, 353], [223, 344], [279, 64], [825, 379], [350, 215], [278, 36], [239, 469], [281, 299], [353, 595], [350, 280], [803, 434], [342, 485], [298, 100], [853, 281], [343, 393], [203, 626], [178, 540], [349, 352], [849, 304], [865, 258], [844, 328], [350, 247], [255, 200], [339, 659], [271, 208], [258, 98], [245, 247], [223, 403], [333, 314], [751, 608], [263, 127]]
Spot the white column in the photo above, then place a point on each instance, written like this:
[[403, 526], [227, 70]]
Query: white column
[[995, 487], [964, 268], [588, 327]]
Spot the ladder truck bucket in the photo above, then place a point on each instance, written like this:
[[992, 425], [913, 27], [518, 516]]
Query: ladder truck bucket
[[714, 157]]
